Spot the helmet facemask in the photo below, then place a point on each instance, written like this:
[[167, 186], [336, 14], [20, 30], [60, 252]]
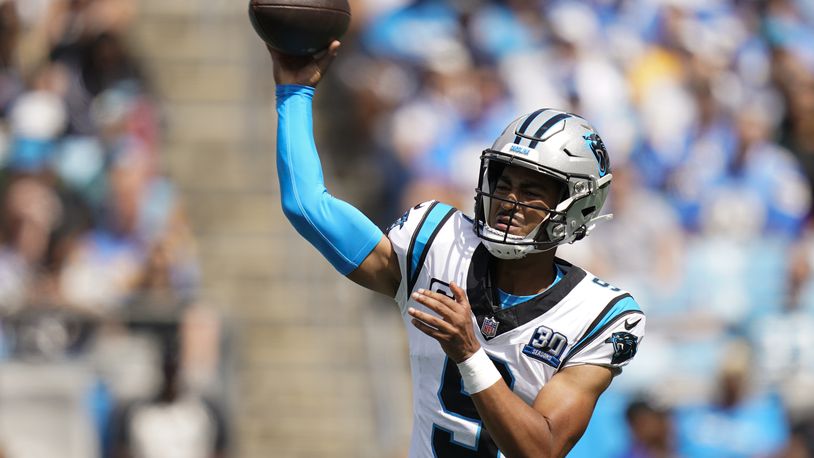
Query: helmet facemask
[[501, 242], [558, 146], [556, 228]]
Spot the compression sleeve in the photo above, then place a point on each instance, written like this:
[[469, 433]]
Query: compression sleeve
[[337, 229]]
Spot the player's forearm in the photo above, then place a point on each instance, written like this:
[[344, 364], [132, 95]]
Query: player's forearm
[[517, 429], [338, 230]]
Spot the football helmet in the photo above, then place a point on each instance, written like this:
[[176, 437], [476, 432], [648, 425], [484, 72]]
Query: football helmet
[[558, 145]]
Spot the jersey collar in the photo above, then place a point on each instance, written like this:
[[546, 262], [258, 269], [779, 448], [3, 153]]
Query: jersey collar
[[483, 295]]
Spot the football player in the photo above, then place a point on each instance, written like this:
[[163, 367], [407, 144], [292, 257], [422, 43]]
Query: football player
[[510, 346]]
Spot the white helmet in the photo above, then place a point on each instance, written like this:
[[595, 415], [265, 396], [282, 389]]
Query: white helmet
[[559, 145]]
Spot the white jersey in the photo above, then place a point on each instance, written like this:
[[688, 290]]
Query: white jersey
[[579, 320]]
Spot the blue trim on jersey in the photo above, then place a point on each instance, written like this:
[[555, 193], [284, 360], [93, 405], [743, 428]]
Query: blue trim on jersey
[[508, 300], [338, 230], [628, 304], [431, 221]]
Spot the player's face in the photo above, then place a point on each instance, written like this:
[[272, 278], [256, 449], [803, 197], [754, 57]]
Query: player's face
[[526, 187]]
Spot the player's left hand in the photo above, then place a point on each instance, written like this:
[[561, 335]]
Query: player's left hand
[[453, 327]]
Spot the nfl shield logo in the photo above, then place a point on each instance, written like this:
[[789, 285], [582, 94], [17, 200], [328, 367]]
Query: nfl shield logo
[[489, 327]]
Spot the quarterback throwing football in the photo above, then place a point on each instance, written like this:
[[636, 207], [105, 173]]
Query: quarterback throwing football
[[510, 346]]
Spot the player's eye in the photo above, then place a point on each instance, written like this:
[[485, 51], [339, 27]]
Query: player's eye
[[534, 194]]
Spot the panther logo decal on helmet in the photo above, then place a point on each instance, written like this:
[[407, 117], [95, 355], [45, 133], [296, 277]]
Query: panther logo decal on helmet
[[598, 147]]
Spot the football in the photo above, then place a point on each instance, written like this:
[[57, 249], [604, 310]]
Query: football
[[299, 27]]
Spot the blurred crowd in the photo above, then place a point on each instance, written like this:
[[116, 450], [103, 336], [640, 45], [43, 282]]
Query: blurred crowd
[[96, 256], [707, 109]]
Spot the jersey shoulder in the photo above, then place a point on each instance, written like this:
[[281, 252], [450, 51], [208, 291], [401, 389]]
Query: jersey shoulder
[[421, 221], [421, 230], [613, 325]]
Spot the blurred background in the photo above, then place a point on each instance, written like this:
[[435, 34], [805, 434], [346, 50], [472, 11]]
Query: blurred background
[[154, 302]]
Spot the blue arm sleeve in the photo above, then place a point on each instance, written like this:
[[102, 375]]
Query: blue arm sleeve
[[337, 229]]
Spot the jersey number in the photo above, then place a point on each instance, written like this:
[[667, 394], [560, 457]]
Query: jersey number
[[605, 284], [455, 401]]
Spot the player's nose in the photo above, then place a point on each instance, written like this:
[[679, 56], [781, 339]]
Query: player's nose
[[505, 205], [512, 197]]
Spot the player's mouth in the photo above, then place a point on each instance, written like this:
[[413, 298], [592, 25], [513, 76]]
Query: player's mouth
[[505, 223]]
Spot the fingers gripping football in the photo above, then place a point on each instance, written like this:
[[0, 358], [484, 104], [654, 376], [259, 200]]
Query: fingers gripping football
[[302, 70], [452, 328]]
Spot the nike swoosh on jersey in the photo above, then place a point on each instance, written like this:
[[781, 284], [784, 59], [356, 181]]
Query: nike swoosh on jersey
[[629, 325]]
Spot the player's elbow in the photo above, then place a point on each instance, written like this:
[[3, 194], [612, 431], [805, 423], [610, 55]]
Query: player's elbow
[[301, 209], [293, 210], [297, 216]]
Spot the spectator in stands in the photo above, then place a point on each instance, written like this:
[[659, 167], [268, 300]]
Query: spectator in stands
[[11, 84], [88, 225], [176, 423], [790, 369], [740, 422], [645, 244], [765, 176], [651, 431]]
